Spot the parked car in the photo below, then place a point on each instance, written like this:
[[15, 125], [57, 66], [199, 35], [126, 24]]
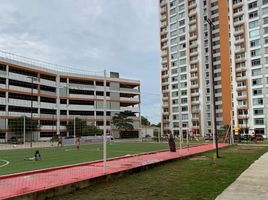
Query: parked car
[[69, 137], [245, 137], [257, 137], [208, 137], [15, 140]]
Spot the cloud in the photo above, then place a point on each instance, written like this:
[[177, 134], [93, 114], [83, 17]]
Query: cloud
[[119, 35]]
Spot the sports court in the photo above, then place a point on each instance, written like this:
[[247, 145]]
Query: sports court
[[33, 181]]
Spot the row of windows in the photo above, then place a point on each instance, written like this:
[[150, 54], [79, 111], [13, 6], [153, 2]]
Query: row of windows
[[49, 77], [51, 111]]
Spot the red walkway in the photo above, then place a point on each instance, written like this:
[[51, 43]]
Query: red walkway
[[29, 182]]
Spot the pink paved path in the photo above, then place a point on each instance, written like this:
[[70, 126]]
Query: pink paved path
[[25, 183]]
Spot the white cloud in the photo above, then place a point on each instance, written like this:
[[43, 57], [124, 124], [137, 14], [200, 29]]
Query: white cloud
[[120, 35]]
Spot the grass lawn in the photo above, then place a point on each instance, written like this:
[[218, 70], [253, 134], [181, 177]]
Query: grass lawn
[[53, 156], [201, 178]]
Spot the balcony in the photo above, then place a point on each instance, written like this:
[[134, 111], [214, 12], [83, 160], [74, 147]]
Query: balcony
[[164, 61], [241, 69], [163, 24], [164, 53], [129, 99], [163, 17], [163, 9], [237, 4], [129, 90], [240, 88], [194, 86], [132, 109], [194, 78], [165, 105], [242, 97], [192, 5], [163, 2], [242, 78], [196, 94]]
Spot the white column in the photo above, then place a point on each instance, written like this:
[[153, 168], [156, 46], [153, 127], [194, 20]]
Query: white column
[[24, 131], [74, 131], [104, 126]]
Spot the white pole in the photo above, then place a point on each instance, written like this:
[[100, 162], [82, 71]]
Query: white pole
[[24, 130], [159, 134], [232, 133], [180, 139], [104, 126], [187, 138], [74, 131]]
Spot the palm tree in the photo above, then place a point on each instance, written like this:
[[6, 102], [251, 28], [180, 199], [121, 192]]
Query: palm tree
[[122, 121]]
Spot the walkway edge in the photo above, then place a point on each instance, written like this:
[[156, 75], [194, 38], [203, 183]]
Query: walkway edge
[[69, 187]]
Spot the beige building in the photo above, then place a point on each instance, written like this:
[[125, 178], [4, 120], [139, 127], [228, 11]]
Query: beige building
[[59, 97]]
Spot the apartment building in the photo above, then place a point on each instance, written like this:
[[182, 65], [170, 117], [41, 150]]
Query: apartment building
[[249, 33], [59, 97], [186, 65], [236, 47]]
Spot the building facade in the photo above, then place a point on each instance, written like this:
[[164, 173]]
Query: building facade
[[55, 98], [237, 51]]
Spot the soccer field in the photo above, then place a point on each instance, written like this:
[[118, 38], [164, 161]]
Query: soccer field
[[12, 161]]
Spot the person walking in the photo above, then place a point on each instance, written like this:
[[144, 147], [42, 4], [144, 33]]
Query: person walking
[[77, 143], [171, 143]]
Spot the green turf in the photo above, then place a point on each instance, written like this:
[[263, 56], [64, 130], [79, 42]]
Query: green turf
[[54, 156], [183, 179]]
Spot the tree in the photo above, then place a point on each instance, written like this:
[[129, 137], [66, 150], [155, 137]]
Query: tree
[[122, 121], [82, 129], [17, 125], [91, 130], [157, 125], [145, 121]]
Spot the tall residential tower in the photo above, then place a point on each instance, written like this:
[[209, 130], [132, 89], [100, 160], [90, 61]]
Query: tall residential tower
[[236, 48]]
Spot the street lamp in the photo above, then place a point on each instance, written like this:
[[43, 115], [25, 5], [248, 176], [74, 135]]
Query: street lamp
[[211, 26], [32, 87]]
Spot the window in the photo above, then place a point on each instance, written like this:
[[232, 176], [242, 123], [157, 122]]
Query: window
[[253, 24], [259, 121], [253, 14], [258, 111], [256, 81], [183, 100], [265, 11], [176, 117], [256, 62], [184, 116], [256, 72], [184, 92], [184, 108], [257, 92], [265, 30], [181, 8], [254, 33], [175, 109], [257, 101], [253, 5], [254, 43], [173, 19], [255, 52], [265, 20]]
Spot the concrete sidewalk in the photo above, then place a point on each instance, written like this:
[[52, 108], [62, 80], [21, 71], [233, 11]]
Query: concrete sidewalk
[[252, 184]]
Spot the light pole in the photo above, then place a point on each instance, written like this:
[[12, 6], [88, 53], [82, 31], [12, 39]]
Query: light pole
[[211, 26], [104, 125]]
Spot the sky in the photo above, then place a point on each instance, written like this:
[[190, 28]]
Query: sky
[[90, 35]]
